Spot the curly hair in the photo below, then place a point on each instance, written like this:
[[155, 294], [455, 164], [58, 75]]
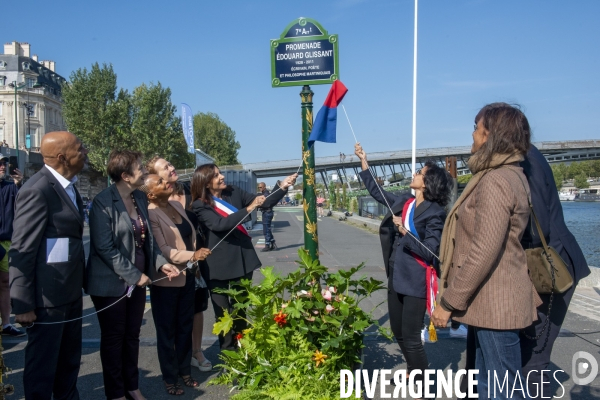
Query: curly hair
[[438, 184]]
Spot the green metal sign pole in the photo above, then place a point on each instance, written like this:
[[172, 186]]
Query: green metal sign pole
[[311, 238]]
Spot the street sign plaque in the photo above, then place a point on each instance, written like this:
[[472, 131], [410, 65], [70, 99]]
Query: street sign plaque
[[305, 54]]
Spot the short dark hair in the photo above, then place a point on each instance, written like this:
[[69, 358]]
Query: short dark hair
[[203, 176], [122, 161], [178, 188], [438, 184], [508, 130]]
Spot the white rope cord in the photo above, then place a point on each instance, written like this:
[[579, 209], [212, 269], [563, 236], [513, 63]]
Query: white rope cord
[[383, 195]]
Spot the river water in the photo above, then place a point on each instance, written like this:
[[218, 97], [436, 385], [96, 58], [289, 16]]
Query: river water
[[583, 220]]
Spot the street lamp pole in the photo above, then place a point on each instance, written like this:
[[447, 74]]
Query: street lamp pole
[[16, 87]]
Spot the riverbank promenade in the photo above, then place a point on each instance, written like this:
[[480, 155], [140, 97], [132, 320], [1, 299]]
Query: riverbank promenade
[[343, 244]]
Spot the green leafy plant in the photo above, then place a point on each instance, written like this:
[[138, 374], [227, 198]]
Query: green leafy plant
[[303, 329]]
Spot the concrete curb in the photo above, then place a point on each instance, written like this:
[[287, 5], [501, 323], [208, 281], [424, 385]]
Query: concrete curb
[[370, 224], [592, 280]]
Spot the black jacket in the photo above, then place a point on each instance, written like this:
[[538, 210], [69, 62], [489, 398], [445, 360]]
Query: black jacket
[[408, 274], [547, 207], [45, 211], [235, 256]]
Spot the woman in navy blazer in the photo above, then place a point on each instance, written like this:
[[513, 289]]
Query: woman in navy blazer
[[407, 289], [234, 258]]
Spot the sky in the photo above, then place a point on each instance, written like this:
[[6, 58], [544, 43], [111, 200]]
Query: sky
[[214, 55]]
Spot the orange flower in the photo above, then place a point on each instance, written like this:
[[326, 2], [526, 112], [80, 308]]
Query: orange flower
[[280, 319], [319, 358]]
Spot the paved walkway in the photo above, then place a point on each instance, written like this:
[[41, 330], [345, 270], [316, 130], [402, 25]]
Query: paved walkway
[[343, 244]]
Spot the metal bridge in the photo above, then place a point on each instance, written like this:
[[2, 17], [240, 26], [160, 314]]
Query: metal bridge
[[388, 163], [393, 163]]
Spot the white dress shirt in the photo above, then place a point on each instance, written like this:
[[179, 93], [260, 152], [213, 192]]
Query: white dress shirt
[[66, 184]]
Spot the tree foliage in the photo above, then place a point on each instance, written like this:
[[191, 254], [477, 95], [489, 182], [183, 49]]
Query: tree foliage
[[108, 118], [155, 127], [579, 171], [95, 112], [581, 181], [216, 138]]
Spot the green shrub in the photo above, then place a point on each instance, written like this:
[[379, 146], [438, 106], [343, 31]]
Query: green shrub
[[303, 329]]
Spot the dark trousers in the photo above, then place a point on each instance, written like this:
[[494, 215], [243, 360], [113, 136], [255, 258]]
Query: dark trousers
[[267, 217], [173, 312], [53, 354], [222, 302], [406, 320], [120, 327], [538, 362]]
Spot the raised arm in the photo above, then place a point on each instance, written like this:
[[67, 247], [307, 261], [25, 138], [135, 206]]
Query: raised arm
[[213, 221]]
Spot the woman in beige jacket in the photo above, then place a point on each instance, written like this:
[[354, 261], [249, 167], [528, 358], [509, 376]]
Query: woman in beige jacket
[[172, 299], [485, 282]]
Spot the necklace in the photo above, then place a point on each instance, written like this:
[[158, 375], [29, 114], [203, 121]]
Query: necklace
[[170, 213], [141, 221]]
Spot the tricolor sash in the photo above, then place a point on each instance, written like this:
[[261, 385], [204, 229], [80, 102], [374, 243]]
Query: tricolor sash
[[224, 209], [408, 213]]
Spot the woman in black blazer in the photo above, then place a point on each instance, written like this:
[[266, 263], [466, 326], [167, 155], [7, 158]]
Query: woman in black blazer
[[219, 208], [406, 260], [123, 253]]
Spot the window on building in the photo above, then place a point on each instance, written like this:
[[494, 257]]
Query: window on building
[[30, 82], [30, 109], [2, 64], [1, 133], [2, 80], [30, 139]]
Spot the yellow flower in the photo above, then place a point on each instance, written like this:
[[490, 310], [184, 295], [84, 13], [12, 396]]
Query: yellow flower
[[319, 358]]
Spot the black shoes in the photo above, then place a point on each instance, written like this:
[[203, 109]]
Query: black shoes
[[269, 247], [12, 331]]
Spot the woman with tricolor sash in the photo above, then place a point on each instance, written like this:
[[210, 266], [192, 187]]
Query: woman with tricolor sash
[[410, 238], [221, 208]]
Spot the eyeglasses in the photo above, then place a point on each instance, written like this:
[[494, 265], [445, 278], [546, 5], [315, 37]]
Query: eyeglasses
[[3, 163]]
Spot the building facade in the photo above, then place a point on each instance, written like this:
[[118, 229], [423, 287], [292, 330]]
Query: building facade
[[38, 97]]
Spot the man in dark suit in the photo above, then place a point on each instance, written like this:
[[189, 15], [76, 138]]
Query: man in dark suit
[[46, 268], [267, 218], [546, 204]]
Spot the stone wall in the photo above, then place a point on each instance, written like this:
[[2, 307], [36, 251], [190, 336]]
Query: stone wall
[[89, 183]]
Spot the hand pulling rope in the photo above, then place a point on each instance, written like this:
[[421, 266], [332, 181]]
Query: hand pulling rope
[[382, 195], [430, 275]]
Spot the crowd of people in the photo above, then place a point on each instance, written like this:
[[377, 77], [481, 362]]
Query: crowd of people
[[186, 241]]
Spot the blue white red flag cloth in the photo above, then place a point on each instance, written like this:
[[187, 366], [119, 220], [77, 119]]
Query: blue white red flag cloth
[[224, 209], [323, 129], [408, 213]]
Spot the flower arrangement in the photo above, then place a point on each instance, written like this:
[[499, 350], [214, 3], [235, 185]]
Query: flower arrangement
[[303, 329]]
